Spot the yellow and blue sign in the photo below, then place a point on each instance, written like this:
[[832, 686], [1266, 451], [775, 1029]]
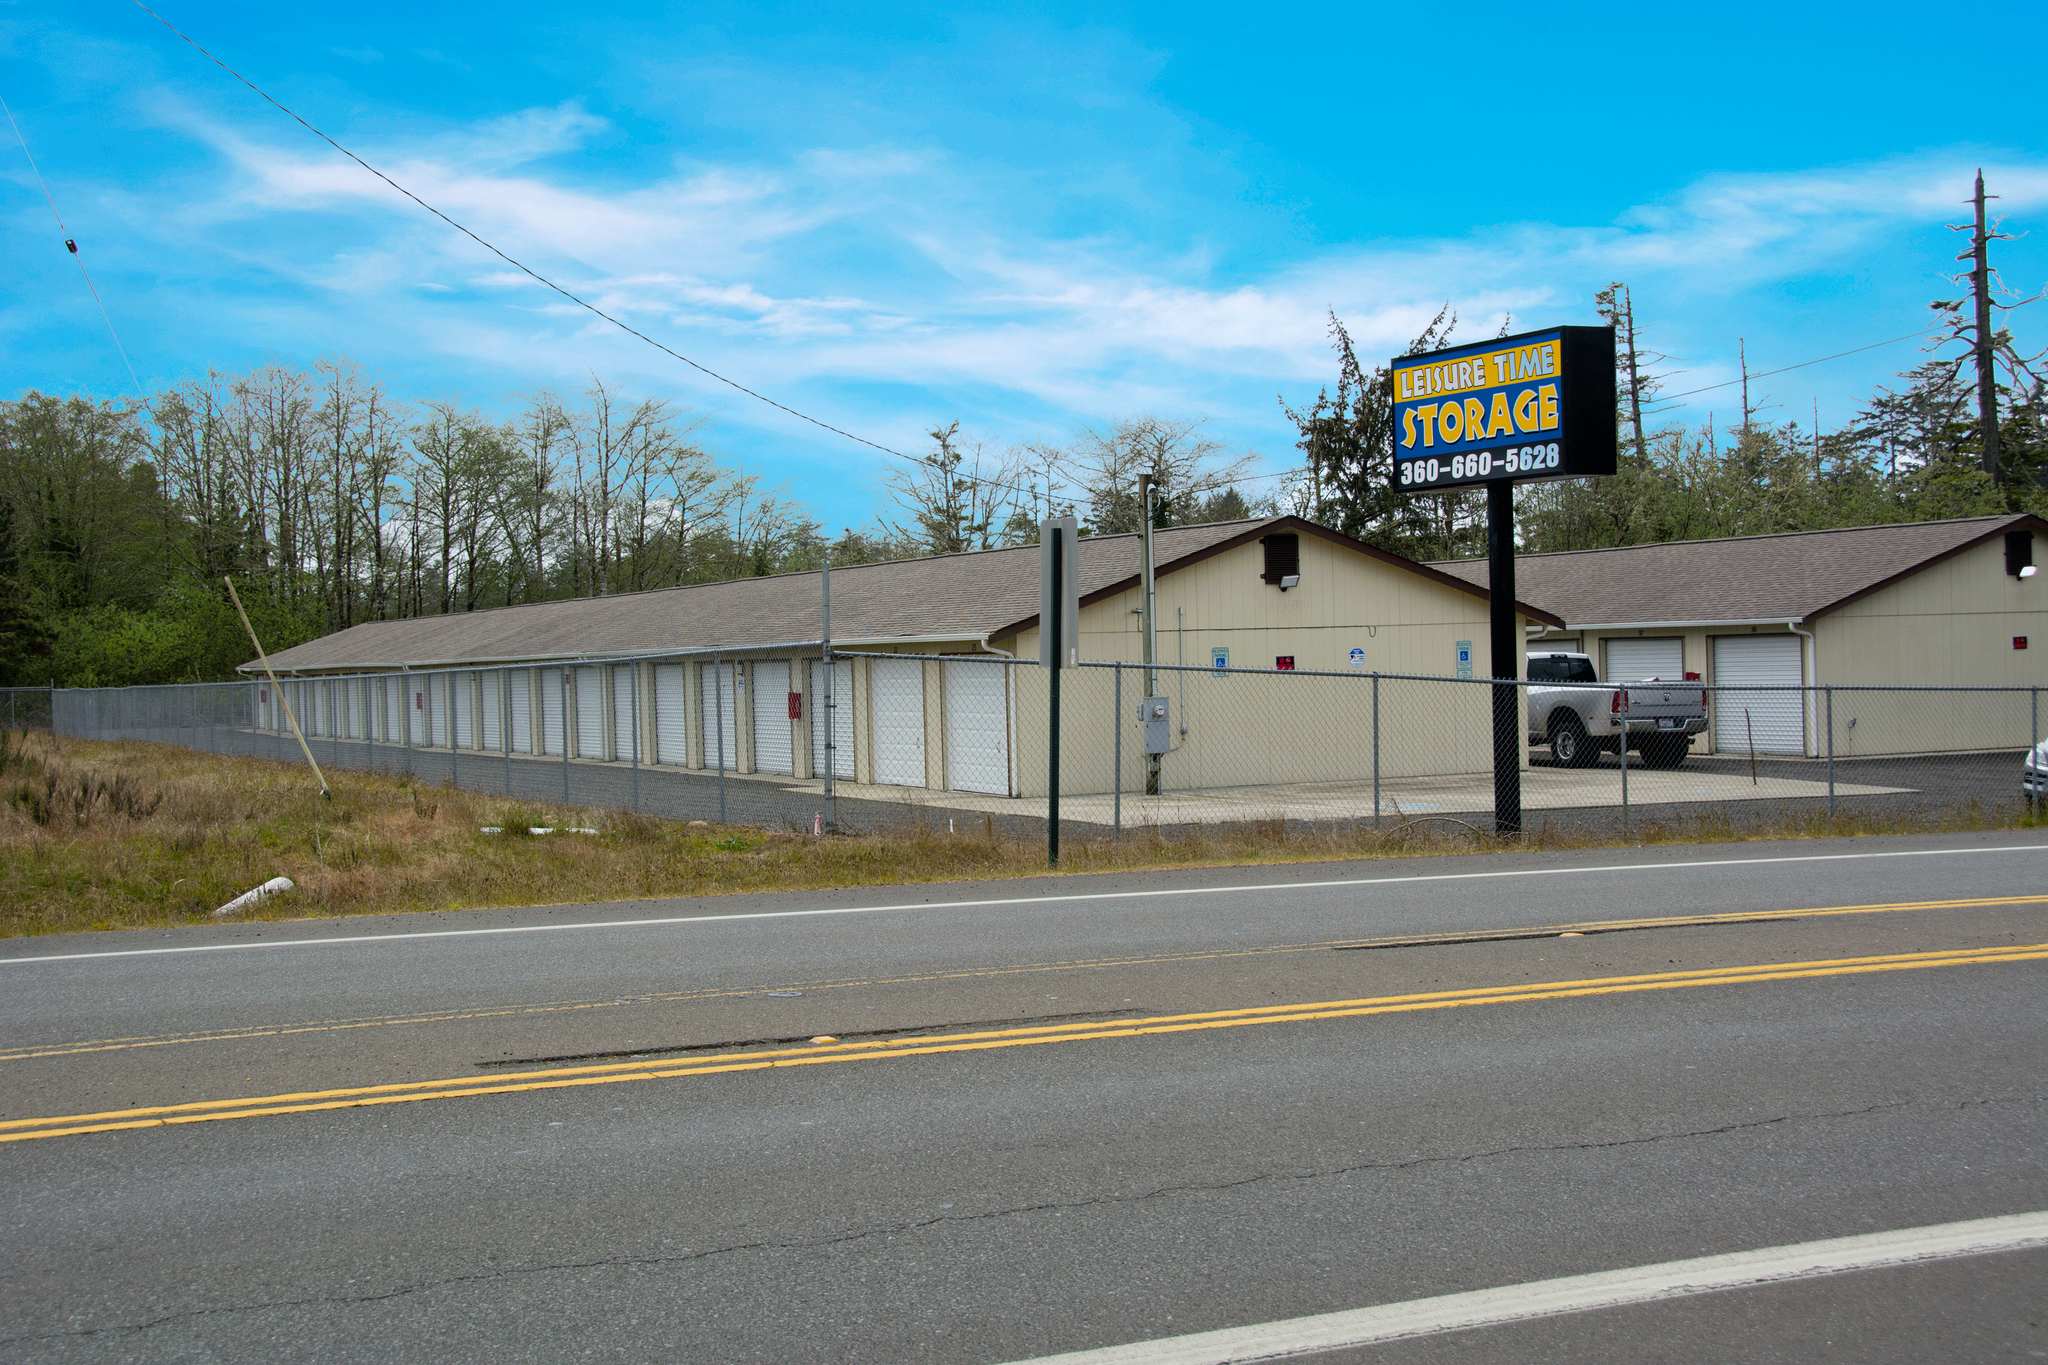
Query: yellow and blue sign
[[1535, 406]]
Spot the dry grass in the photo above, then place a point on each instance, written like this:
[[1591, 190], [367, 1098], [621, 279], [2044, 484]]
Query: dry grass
[[124, 835]]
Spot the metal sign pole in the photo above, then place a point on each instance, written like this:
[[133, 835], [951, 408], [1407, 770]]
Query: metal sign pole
[[1506, 651], [831, 712], [1052, 757], [1059, 628], [718, 718]]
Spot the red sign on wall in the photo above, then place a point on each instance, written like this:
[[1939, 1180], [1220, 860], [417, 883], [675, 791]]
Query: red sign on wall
[[2019, 642], [796, 706], [1285, 663]]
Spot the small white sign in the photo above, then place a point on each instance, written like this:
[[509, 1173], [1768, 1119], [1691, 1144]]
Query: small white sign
[[1464, 658], [1219, 656], [1358, 658]]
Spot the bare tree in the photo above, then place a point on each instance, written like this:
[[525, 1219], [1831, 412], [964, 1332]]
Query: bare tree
[[1184, 462], [962, 495]]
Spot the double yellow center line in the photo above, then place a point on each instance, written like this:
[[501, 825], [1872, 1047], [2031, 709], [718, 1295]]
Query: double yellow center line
[[311, 1101]]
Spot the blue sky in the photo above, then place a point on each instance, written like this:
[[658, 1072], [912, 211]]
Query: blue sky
[[1025, 218]]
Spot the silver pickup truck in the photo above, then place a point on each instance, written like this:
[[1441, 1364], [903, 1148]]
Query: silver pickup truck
[[1581, 718]]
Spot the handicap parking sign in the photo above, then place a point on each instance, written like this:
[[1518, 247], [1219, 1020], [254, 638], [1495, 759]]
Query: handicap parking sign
[[1464, 658], [1219, 656]]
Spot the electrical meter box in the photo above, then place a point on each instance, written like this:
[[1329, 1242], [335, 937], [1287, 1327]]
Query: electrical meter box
[[1153, 711]]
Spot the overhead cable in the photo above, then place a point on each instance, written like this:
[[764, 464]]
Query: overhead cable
[[71, 245], [1764, 374], [515, 264]]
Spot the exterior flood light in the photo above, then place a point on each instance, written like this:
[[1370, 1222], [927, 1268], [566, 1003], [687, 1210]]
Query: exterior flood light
[[1289, 581], [2028, 570]]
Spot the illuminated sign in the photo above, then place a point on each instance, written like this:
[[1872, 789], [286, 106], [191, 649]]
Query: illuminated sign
[[1535, 406]]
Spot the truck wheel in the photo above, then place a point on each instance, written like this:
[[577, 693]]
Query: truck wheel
[[1665, 751], [1569, 747]]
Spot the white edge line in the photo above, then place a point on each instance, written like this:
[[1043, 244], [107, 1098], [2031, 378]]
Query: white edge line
[[1573, 1294], [1017, 900]]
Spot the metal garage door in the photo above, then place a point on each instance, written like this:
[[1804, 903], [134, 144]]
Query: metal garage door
[[462, 705], [522, 710], [977, 728], [551, 710], [494, 711], [898, 702], [772, 749], [1773, 717], [1630, 660], [416, 698], [841, 721], [671, 716], [437, 711], [625, 706], [589, 712], [394, 710], [717, 683], [352, 718]]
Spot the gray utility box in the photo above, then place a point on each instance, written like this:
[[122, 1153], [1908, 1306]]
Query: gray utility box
[[1158, 725]]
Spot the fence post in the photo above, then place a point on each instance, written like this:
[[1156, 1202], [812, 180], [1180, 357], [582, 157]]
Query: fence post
[[634, 668], [1375, 750], [1116, 726], [1831, 750], [2033, 738], [1624, 763], [568, 723], [718, 719]]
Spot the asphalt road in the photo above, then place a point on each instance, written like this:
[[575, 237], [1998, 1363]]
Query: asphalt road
[[1126, 1109]]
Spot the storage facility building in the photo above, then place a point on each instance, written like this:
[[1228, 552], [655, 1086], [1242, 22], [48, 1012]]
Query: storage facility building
[[730, 675]]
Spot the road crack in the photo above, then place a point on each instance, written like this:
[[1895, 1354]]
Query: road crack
[[689, 1256]]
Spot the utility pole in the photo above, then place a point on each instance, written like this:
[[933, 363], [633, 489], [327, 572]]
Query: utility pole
[[1145, 622], [1979, 256], [1742, 349]]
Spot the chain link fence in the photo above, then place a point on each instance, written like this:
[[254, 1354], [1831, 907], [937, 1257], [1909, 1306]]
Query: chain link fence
[[26, 708], [919, 739]]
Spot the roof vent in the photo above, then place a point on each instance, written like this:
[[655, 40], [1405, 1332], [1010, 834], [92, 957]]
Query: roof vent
[[1283, 559], [2019, 553]]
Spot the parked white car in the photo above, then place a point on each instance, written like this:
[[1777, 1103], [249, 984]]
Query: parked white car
[[2034, 776]]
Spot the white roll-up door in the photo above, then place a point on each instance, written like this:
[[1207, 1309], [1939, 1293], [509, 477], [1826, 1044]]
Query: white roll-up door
[[494, 710], [352, 708], [718, 714], [416, 709], [671, 714], [1634, 660], [394, 710], [589, 712], [626, 701], [438, 696], [1774, 717], [899, 722], [551, 710], [462, 706], [841, 722], [773, 752], [978, 727], [522, 710], [308, 705]]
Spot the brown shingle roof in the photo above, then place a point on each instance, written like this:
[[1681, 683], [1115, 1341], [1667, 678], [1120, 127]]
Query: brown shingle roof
[[981, 595], [1793, 577], [946, 597]]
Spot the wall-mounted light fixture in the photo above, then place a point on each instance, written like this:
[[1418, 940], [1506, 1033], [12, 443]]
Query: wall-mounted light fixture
[[1292, 580]]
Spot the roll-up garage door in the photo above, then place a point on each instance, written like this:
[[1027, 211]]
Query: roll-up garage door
[[1632, 660], [898, 701], [718, 716], [1773, 717], [352, 718], [437, 710], [773, 752], [977, 727], [394, 710], [462, 706], [313, 708], [551, 710], [671, 716], [589, 712], [522, 710], [494, 710], [416, 708], [841, 722], [626, 701]]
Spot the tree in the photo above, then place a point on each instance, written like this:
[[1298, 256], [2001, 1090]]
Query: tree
[[1186, 466], [960, 496]]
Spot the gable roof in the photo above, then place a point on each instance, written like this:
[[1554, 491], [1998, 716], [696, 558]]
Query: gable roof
[[1741, 579], [976, 596]]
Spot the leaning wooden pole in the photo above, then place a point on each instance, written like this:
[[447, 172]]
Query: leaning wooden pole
[[264, 659]]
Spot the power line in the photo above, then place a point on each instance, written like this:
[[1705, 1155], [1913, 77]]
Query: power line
[[71, 245], [1764, 374], [517, 265]]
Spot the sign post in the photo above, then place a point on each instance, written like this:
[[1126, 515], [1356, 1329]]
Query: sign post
[[1516, 409], [1059, 648]]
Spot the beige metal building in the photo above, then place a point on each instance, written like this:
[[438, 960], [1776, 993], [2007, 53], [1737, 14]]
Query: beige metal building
[[729, 675], [1928, 604]]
